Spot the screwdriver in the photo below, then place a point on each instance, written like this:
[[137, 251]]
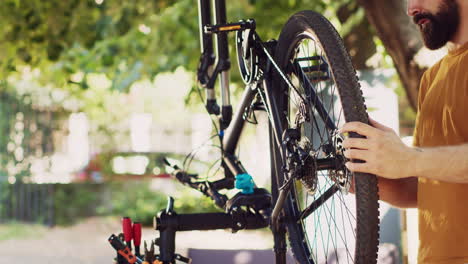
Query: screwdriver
[[137, 237], [127, 230]]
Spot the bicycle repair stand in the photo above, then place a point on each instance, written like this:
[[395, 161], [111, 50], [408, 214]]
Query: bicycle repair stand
[[243, 211]]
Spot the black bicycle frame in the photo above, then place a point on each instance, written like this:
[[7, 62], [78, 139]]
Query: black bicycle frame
[[231, 127], [231, 131], [214, 64]]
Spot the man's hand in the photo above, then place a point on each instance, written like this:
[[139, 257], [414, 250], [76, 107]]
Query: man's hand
[[383, 152]]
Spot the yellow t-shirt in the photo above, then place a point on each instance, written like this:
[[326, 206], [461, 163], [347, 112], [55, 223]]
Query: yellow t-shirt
[[443, 120]]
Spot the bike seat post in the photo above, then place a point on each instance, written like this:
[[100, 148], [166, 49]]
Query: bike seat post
[[167, 246], [166, 223]]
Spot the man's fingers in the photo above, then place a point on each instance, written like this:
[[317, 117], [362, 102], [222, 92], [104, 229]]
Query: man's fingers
[[359, 143], [358, 127], [378, 125], [356, 154]]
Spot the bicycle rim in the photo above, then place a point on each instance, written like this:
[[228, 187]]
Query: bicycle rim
[[344, 228]]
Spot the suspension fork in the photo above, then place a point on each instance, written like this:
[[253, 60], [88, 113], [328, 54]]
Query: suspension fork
[[206, 74], [207, 59], [223, 64]]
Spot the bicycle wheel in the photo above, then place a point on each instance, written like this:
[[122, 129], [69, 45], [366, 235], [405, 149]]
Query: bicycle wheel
[[325, 224]]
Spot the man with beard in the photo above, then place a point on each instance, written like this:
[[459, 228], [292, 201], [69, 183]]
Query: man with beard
[[433, 175]]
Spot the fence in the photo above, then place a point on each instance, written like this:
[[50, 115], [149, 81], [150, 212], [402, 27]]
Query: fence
[[27, 132], [32, 203], [52, 204]]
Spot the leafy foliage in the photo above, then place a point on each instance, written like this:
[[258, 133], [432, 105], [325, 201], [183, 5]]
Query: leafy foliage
[[126, 40], [90, 52], [75, 201], [26, 132], [85, 55], [138, 201]]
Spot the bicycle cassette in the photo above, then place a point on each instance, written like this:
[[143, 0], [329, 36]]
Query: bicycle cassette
[[308, 173], [246, 57]]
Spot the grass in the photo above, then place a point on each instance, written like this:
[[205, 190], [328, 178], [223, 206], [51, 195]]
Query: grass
[[15, 230]]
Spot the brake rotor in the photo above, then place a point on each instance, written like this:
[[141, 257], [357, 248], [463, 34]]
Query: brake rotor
[[340, 175]]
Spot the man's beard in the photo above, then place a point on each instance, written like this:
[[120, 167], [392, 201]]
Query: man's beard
[[441, 27]]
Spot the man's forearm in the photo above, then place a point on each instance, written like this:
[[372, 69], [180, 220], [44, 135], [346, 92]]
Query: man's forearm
[[448, 163], [402, 193]]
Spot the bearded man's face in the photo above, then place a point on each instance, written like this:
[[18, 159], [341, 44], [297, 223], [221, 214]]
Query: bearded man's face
[[440, 27]]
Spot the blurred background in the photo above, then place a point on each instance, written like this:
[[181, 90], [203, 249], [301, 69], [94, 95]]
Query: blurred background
[[93, 93]]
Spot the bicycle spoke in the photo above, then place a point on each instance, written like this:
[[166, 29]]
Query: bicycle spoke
[[330, 218], [347, 212], [342, 217], [318, 105], [341, 235], [324, 111], [318, 202], [336, 230]]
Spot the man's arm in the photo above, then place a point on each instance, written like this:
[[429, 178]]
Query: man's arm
[[402, 193], [449, 164], [387, 156]]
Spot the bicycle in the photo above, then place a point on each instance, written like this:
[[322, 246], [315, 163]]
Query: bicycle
[[306, 84]]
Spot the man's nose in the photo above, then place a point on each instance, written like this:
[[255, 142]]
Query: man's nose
[[414, 7]]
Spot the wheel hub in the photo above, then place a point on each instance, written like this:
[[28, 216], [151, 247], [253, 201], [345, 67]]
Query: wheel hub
[[302, 161], [340, 175]]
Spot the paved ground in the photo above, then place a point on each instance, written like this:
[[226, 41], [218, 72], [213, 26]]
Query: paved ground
[[87, 243]]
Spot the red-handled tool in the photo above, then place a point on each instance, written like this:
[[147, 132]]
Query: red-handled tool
[[123, 250], [128, 231], [137, 237]]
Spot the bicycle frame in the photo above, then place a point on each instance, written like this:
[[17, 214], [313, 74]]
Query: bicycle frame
[[213, 64], [230, 137], [231, 127]]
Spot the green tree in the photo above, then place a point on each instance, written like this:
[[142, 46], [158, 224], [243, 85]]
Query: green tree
[[132, 40]]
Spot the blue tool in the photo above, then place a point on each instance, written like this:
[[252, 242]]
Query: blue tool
[[245, 183]]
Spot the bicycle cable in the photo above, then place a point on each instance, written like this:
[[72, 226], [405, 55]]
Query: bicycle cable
[[211, 167], [206, 108], [189, 157]]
